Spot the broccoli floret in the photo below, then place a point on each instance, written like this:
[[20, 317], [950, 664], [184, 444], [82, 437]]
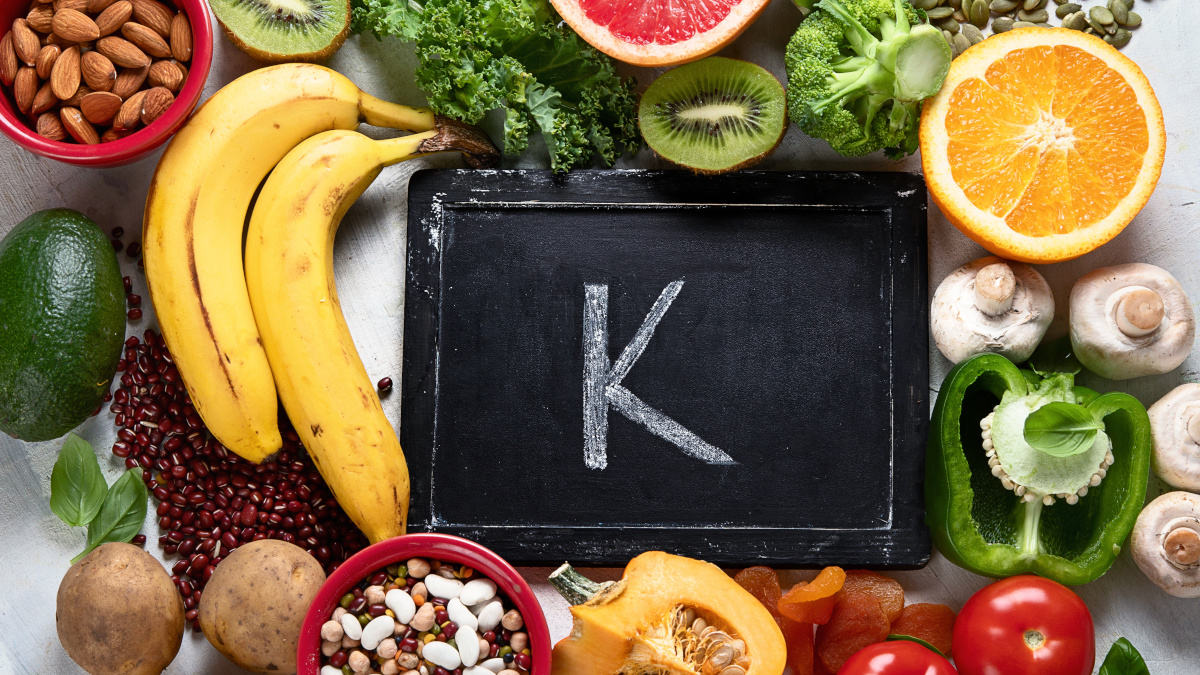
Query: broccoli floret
[[858, 71]]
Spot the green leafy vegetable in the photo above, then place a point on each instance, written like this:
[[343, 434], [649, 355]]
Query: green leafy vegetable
[[910, 638], [1123, 659], [1062, 429], [77, 486], [122, 514], [516, 55]]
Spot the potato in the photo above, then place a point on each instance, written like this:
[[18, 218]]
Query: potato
[[254, 604], [119, 613]]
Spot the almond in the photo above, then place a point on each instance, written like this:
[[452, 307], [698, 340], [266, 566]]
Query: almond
[[166, 74], [25, 88], [129, 81], [97, 6], [8, 60], [49, 126], [101, 107], [146, 40], [183, 69], [74, 26], [122, 52], [155, 103], [80, 129], [39, 18], [76, 99], [44, 100], [154, 15], [113, 135], [66, 73], [25, 42], [77, 5], [181, 38], [99, 73], [111, 19], [46, 59], [130, 114]]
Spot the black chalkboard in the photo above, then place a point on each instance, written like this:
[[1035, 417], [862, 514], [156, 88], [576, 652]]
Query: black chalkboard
[[733, 368]]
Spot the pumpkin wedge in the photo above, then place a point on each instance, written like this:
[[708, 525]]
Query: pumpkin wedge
[[668, 615]]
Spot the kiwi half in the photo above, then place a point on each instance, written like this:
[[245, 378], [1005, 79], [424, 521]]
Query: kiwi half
[[714, 115], [278, 31]]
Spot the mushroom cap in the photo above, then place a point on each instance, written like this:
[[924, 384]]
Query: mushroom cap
[[1100, 344], [1175, 424], [1172, 512], [961, 329]]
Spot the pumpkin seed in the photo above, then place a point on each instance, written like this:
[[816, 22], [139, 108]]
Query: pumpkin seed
[[1038, 16], [1096, 26], [1076, 21], [1102, 16], [960, 15], [925, 4], [1061, 2], [973, 33], [1024, 24], [733, 670], [961, 43], [980, 14], [1002, 6], [1119, 39], [1128, 4], [1002, 24], [950, 25], [1133, 20], [1119, 11], [954, 4], [1066, 10], [1030, 5], [940, 13]]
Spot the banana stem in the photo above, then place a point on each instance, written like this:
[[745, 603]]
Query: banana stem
[[394, 150], [380, 113]]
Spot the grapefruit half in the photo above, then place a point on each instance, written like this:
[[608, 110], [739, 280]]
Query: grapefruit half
[[659, 32]]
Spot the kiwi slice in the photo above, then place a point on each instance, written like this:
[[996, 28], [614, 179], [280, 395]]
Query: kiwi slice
[[279, 31], [714, 115]]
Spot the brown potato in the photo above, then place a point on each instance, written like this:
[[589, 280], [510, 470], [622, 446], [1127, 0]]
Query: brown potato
[[118, 612], [254, 604]]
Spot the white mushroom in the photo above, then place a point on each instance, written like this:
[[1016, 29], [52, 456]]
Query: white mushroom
[[1175, 424], [1131, 320], [1166, 543], [991, 305]]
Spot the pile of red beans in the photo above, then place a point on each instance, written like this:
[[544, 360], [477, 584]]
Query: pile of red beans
[[210, 500]]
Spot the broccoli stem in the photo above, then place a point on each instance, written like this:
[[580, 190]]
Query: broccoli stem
[[860, 39]]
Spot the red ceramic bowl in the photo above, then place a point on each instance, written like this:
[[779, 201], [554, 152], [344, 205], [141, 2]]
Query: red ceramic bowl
[[136, 145], [436, 546]]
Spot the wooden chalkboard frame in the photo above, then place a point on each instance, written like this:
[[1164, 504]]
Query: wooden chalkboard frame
[[904, 545]]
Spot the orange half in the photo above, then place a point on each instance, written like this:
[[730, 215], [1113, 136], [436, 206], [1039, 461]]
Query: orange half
[[1043, 144]]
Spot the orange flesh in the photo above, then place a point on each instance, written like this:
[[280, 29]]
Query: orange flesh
[[1051, 140]]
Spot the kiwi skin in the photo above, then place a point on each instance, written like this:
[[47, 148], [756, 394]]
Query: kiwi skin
[[744, 164], [271, 57]]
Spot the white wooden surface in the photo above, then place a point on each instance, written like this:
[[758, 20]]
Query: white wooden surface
[[35, 547]]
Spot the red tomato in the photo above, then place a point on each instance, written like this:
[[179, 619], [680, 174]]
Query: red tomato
[[1024, 625], [900, 657]]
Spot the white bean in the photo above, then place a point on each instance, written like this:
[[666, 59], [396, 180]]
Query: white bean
[[374, 632], [441, 587], [491, 614], [460, 615], [468, 644], [441, 654], [352, 627], [473, 670], [494, 665], [401, 604], [330, 670], [477, 591]]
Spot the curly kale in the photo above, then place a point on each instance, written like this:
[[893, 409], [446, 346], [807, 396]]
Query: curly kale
[[479, 55], [858, 71]]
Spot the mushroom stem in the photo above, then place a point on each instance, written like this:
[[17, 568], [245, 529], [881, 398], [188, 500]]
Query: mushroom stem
[[995, 287], [1140, 313], [1193, 428], [1182, 547]]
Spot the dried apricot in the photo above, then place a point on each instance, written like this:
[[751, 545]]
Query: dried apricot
[[888, 591], [799, 637], [813, 602], [858, 621], [932, 623], [763, 584]]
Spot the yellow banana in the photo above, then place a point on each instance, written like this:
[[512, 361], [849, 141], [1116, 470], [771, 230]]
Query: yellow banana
[[195, 215], [289, 273]]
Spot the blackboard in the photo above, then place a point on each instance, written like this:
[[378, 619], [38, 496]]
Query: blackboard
[[732, 368]]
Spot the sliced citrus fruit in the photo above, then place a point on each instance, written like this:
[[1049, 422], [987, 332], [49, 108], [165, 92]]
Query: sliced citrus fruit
[[1042, 144], [659, 32]]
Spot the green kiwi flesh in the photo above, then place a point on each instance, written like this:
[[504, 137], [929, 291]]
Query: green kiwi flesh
[[285, 30], [714, 115]]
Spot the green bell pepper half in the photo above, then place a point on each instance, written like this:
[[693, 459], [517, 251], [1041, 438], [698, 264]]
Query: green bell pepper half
[[981, 526]]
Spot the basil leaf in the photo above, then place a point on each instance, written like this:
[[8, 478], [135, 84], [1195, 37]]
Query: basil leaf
[[1061, 429], [910, 638], [77, 486], [122, 515], [1123, 659]]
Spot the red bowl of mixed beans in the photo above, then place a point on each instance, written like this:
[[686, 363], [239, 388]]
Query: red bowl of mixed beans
[[429, 604]]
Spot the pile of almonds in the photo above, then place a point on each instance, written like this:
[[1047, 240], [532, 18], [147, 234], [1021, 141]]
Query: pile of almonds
[[95, 70]]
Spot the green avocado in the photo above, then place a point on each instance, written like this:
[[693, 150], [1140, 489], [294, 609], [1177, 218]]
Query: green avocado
[[62, 323]]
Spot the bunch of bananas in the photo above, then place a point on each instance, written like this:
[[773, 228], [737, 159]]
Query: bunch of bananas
[[240, 335]]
